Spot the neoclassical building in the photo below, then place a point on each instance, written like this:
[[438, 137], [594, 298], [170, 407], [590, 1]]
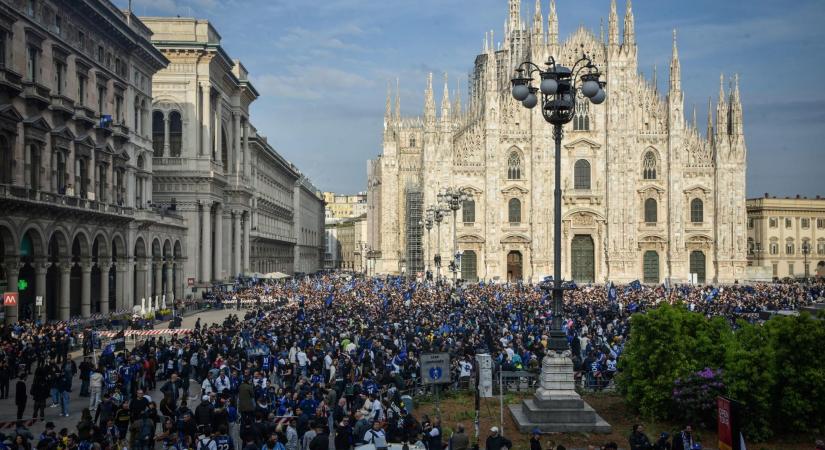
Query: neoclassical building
[[247, 209], [646, 194], [80, 229]]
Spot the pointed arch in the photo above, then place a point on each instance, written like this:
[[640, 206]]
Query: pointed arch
[[514, 164], [650, 165]]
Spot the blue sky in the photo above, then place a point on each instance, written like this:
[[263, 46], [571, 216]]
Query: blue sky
[[322, 68]]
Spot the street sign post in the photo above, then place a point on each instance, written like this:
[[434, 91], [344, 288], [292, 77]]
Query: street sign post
[[435, 370]]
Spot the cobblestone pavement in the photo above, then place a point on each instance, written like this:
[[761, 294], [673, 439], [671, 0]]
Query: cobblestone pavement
[[8, 409]]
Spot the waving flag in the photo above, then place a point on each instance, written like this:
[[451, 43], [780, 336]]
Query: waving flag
[[611, 293], [329, 300], [709, 298], [635, 285]]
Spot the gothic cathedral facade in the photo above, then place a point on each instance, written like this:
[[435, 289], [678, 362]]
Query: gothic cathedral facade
[[645, 195]]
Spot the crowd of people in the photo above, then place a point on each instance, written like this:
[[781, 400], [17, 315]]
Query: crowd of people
[[325, 359]]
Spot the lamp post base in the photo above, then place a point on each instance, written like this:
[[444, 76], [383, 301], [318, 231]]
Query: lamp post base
[[556, 406]]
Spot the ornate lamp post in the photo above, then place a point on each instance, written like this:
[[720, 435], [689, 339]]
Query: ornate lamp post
[[806, 250], [455, 198], [558, 88], [428, 225], [438, 216]]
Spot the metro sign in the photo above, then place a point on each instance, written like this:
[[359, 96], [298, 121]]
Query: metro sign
[[10, 299]]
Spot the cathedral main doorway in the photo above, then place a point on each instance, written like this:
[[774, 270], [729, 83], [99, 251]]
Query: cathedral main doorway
[[514, 266], [697, 265], [651, 267], [583, 259]]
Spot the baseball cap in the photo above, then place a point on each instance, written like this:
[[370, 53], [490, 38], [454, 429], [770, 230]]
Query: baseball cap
[[494, 430]]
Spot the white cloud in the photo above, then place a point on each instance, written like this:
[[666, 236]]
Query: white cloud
[[310, 83]]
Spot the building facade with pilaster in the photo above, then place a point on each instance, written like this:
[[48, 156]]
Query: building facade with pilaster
[[81, 233]]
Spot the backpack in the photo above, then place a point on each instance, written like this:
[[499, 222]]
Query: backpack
[[147, 429], [203, 444]]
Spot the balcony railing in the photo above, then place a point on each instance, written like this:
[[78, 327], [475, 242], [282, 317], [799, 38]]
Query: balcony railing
[[36, 91], [164, 161], [62, 103], [10, 80], [50, 198]]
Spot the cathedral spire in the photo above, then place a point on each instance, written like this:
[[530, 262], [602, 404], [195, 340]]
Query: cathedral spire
[[538, 20], [397, 99], [722, 112], [514, 19], [613, 25], [655, 78], [675, 68], [735, 108], [445, 101], [710, 120], [629, 26], [695, 124], [457, 107], [429, 101], [388, 112], [553, 24], [601, 30]]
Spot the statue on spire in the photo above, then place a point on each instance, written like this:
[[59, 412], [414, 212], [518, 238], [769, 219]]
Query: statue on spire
[[675, 67], [429, 101], [445, 101]]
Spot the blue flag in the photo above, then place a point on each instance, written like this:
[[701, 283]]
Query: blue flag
[[611, 293], [635, 285], [709, 298], [329, 300]]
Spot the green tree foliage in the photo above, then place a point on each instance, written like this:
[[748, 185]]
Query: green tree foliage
[[777, 370]]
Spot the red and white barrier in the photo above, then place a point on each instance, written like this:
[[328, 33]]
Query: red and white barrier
[[146, 332]]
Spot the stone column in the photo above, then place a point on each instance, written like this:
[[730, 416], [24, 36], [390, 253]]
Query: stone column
[[165, 135], [104, 286], [218, 141], [140, 280], [158, 288], [236, 255], [86, 289], [181, 284], [217, 264], [169, 280], [41, 267], [238, 155], [247, 228], [65, 291], [206, 242], [12, 273], [206, 119], [121, 295], [246, 158]]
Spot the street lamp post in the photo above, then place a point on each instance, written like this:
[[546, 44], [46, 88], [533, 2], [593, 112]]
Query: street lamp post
[[438, 217], [806, 250], [455, 198], [558, 88], [428, 225]]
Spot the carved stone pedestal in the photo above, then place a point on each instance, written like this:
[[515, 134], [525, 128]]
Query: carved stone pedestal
[[556, 406]]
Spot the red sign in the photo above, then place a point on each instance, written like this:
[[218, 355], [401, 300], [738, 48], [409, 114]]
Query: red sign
[[724, 425], [190, 282], [10, 299]]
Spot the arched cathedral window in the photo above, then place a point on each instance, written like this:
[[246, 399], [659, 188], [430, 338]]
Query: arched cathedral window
[[581, 121], [581, 174], [649, 166], [514, 167], [412, 141]]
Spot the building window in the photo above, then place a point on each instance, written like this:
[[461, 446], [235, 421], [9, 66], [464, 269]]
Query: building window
[[750, 223], [789, 248], [58, 24], [101, 99], [4, 38], [788, 222], [774, 248], [100, 54], [514, 210], [751, 246], [649, 166], [31, 7], [468, 211], [81, 40], [5, 160], [581, 174], [175, 134], [81, 90], [697, 211], [119, 109], [820, 247], [514, 167], [34, 166], [773, 222], [157, 133], [412, 141], [469, 264], [59, 77], [651, 212], [581, 121], [31, 63], [820, 223], [806, 223], [790, 269], [60, 174]]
